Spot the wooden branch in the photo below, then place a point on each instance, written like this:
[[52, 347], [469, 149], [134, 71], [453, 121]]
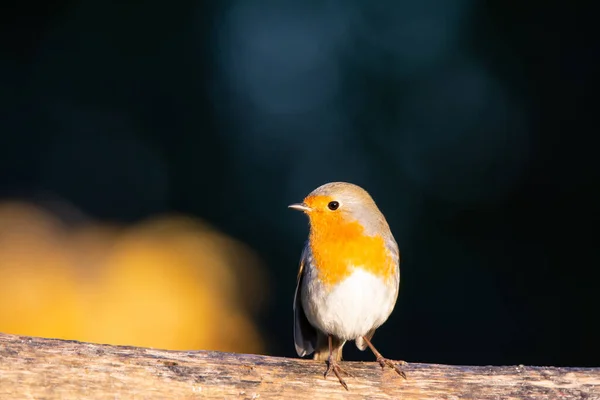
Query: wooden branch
[[36, 368]]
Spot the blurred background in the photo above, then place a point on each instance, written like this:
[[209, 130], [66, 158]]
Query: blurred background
[[148, 153]]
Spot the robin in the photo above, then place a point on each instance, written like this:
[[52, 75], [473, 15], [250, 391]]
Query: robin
[[349, 275]]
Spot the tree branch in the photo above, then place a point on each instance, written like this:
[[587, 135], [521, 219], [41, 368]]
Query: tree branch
[[61, 369]]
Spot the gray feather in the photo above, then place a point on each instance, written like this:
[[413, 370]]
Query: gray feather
[[305, 335]]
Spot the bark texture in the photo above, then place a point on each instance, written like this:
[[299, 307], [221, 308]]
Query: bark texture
[[37, 368]]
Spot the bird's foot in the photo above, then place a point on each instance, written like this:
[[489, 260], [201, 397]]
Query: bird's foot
[[384, 362], [333, 365]]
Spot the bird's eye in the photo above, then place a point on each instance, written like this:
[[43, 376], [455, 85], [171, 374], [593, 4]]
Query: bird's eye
[[333, 205]]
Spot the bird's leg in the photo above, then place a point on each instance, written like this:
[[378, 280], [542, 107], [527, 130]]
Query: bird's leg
[[332, 365], [384, 361]]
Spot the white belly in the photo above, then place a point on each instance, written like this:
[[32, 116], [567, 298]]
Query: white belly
[[351, 308]]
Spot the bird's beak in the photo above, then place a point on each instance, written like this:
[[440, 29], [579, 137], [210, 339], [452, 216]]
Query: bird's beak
[[300, 207]]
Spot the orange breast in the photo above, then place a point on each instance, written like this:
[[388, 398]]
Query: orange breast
[[339, 246]]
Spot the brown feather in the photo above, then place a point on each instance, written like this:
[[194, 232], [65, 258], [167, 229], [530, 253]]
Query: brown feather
[[322, 347]]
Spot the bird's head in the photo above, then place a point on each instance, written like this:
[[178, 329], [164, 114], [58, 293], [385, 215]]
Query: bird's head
[[338, 204]]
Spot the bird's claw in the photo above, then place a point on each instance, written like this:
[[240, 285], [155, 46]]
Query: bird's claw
[[384, 362], [337, 370]]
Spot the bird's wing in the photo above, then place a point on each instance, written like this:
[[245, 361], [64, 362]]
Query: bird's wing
[[305, 335], [392, 246]]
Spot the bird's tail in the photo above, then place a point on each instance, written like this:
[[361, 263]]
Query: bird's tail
[[322, 347]]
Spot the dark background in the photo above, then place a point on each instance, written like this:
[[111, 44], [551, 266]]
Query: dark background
[[471, 123]]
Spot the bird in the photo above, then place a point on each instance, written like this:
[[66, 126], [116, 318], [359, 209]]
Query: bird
[[348, 278]]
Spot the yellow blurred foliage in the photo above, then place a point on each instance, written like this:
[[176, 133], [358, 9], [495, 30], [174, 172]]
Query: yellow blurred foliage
[[171, 282]]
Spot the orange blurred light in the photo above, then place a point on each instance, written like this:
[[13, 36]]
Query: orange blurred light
[[171, 283]]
